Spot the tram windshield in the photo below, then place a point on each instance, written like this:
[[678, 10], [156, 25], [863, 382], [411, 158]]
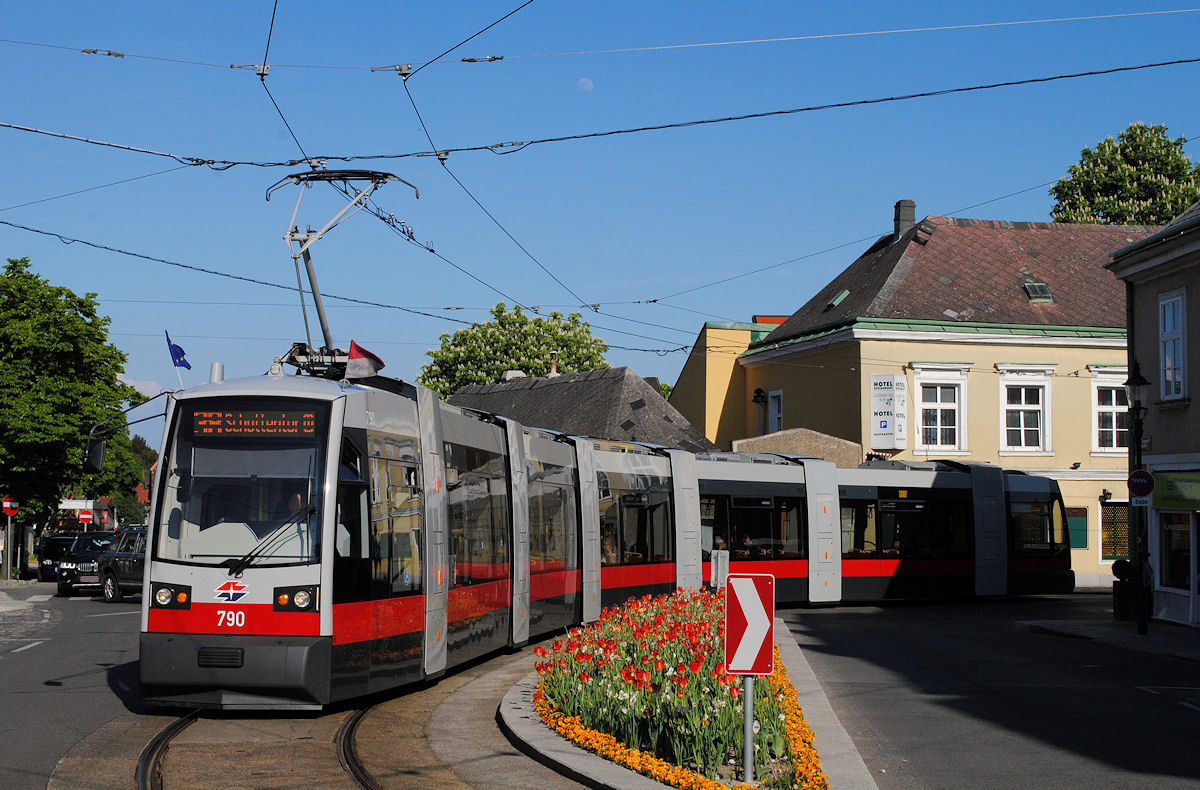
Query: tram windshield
[[243, 483]]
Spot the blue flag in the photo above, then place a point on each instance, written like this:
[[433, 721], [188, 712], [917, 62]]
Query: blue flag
[[176, 353]]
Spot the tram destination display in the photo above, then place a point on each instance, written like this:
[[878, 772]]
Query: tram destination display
[[254, 422]]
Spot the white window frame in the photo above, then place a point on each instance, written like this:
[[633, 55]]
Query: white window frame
[[1106, 377], [774, 411], [1021, 375], [1177, 338], [942, 374]]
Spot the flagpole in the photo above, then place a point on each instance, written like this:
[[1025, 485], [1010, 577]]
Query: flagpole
[[180, 375]]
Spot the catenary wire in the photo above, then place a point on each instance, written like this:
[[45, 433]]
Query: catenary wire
[[291, 289], [474, 199], [504, 148]]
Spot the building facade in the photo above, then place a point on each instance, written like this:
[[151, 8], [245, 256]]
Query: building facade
[[973, 340], [1162, 276]]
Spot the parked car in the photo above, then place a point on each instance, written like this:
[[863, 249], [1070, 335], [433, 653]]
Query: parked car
[[122, 566], [77, 568], [51, 550]]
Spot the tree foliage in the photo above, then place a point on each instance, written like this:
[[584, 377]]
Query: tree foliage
[[481, 353], [1141, 178], [58, 377]]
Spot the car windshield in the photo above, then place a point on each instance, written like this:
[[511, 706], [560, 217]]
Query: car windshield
[[56, 547], [243, 483], [91, 544]]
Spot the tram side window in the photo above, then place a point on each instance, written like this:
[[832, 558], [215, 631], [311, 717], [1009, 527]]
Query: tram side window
[[396, 515], [477, 498], [790, 520], [714, 524], [635, 528], [1037, 527], [551, 527], [351, 560], [950, 524], [751, 520], [859, 529]]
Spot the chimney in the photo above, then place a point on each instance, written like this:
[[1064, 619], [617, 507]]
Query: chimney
[[553, 365], [905, 217]]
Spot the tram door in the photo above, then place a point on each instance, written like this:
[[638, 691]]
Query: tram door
[[824, 532], [991, 545]]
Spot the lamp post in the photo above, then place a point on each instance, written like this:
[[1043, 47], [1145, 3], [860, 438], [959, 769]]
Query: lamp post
[[1136, 388]]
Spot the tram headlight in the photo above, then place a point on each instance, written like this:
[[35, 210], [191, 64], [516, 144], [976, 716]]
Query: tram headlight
[[296, 599], [171, 596]]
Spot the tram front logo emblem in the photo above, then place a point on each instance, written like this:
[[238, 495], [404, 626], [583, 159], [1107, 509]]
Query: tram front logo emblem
[[231, 591]]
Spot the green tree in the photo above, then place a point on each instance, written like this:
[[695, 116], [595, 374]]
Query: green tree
[[481, 353], [1141, 178], [58, 377]]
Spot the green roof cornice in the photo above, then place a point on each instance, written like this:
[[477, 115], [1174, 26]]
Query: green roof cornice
[[955, 327]]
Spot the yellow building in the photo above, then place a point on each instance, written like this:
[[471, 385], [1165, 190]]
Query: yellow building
[[964, 339]]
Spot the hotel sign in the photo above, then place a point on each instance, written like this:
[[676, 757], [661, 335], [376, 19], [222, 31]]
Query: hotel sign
[[889, 412]]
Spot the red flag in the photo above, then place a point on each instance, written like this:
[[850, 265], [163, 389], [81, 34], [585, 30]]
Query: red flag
[[361, 363]]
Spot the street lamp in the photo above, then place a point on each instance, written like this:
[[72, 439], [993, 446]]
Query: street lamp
[[1136, 390]]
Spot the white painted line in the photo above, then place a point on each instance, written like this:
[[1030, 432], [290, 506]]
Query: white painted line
[[26, 647], [1191, 706], [114, 614], [39, 598]]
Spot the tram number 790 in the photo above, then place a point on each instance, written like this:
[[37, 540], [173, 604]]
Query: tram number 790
[[231, 618]]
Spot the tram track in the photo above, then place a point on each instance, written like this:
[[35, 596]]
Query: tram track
[[149, 771], [149, 768], [347, 750]]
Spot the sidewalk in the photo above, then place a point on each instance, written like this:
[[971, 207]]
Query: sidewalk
[[1161, 637], [7, 602]]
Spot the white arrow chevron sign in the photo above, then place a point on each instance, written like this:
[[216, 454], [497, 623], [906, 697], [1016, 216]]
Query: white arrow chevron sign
[[750, 624]]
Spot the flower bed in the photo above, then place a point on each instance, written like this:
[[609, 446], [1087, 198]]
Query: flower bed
[[644, 686]]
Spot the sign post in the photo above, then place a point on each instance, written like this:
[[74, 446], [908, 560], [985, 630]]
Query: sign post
[[749, 645], [11, 507]]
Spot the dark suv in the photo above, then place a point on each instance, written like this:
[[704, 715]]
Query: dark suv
[[51, 551], [121, 567], [77, 568]]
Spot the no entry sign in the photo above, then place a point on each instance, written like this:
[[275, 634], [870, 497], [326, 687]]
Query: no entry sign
[[85, 517], [750, 624], [11, 506]]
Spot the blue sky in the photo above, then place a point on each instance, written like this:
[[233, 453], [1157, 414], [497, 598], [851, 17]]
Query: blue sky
[[667, 215]]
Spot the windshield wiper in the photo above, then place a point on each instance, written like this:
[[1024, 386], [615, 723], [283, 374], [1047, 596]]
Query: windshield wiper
[[269, 542]]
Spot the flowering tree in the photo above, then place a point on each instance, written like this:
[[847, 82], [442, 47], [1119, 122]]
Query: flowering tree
[[482, 352], [1143, 178]]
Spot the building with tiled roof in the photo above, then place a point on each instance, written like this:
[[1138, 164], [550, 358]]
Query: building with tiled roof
[[1162, 274], [615, 404], [968, 339]]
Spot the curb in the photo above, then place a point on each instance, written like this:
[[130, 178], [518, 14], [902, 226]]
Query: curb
[[525, 730], [840, 759]]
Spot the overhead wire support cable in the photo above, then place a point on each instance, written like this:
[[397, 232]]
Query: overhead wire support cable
[[619, 50], [214, 272], [476, 35]]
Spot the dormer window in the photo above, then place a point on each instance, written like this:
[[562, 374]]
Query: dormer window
[[1037, 291]]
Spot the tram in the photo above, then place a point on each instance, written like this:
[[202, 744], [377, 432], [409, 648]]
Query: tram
[[315, 538]]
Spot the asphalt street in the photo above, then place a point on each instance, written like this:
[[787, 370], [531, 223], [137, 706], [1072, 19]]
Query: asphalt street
[[992, 694]]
